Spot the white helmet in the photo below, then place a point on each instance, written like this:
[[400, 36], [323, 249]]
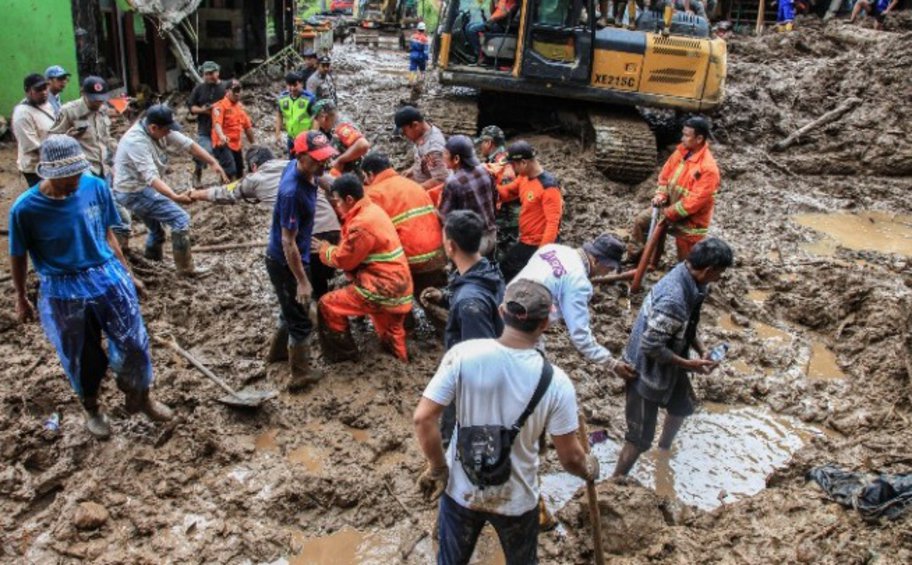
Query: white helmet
[[421, 26]]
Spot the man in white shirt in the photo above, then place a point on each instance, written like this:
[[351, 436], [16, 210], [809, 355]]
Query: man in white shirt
[[139, 165], [492, 382], [33, 117], [565, 272]]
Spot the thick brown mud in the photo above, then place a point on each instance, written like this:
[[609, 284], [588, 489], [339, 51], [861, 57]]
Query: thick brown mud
[[819, 368]]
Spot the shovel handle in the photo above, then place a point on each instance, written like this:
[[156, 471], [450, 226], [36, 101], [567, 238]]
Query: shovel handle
[[172, 344], [595, 518]]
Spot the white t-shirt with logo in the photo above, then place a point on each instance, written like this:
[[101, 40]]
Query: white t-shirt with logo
[[492, 385]]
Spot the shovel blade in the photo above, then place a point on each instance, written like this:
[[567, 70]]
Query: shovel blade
[[248, 398]]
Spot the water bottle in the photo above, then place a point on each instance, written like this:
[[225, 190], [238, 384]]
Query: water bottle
[[52, 424], [718, 352]]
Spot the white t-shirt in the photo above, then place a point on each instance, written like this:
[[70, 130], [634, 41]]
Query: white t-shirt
[[491, 385]]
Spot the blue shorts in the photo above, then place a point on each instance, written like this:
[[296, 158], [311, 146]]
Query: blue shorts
[[786, 11], [417, 64]]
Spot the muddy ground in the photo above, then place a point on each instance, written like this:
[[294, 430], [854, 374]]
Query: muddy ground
[[218, 485]]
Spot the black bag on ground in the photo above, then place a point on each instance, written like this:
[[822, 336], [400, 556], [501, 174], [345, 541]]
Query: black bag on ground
[[484, 451], [882, 495]]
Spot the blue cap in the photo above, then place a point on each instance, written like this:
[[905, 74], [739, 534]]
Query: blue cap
[[56, 71]]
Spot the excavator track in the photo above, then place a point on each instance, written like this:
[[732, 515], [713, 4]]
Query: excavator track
[[625, 148], [453, 111]]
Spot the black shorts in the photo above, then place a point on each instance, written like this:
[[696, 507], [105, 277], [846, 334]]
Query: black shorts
[[642, 414]]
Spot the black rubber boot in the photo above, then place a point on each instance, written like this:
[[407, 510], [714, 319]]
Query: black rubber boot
[[278, 346]]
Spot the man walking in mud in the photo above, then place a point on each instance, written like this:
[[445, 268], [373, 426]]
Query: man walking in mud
[[686, 194], [498, 385], [659, 349], [288, 254], [428, 168], [65, 223]]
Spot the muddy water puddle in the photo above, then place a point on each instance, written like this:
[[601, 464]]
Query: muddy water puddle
[[347, 546], [763, 331], [866, 231], [822, 363], [722, 453]]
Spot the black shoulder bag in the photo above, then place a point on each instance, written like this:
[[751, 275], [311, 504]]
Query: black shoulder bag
[[484, 451]]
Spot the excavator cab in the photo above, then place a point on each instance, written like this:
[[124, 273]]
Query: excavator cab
[[557, 49]]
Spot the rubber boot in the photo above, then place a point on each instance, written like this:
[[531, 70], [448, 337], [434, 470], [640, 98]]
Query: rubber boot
[[546, 520], [153, 409], [153, 252], [336, 346], [96, 422], [302, 374], [278, 346], [183, 259]]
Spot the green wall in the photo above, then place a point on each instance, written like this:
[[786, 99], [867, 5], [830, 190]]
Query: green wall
[[34, 34]]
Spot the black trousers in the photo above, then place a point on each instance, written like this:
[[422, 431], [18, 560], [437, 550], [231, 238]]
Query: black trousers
[[231, 161], [292, 314], [319, 273], [515, 259]]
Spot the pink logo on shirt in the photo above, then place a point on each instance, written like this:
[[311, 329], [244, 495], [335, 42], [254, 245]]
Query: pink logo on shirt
[[557, 268]]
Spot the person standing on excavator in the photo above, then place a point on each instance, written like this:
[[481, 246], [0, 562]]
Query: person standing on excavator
[[686, 194]]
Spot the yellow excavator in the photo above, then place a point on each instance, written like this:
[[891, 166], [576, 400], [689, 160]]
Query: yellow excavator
[[604, 77]]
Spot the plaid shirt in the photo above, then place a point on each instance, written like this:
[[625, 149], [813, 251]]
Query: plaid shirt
[[469, 189]]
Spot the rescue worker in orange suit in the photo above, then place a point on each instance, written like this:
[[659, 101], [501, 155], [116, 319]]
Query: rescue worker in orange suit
[[414, 216], [345, 137], [372, 257], [542, 207], [498, 21], [686, 194], [229, 121]]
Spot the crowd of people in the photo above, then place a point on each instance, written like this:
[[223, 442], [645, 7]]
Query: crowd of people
[[470, 231]]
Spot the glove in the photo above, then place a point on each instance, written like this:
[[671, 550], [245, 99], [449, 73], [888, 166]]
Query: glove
[[433, 482], [592, 468]]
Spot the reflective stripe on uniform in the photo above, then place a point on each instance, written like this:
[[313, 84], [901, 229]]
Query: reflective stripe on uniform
[[328, 254], [692, 231], [424, 257], [680, 209], [384, 257], [413, 213], [382, 300]]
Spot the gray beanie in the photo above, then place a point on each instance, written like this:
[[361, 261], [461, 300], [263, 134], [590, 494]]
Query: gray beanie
[[61, 157]]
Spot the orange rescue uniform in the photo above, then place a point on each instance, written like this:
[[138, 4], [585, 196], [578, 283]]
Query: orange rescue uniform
[[234, 121], [343, 136], [414, 216], [372, 257], [502, 8], [542, 207]]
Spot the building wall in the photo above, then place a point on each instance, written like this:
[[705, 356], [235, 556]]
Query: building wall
[[34, 34]]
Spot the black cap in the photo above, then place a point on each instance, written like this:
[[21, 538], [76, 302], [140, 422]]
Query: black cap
[[95, 89], [463, 147], [519, 151], [700, 126], [607, 250], [33, 80], [406, 115], [325, 60], [293, 77], [161, 115]]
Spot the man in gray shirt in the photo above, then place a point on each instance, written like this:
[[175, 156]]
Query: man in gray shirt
[[139, 164], [260, 186]]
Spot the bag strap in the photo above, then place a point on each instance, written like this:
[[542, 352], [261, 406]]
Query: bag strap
[[544, 381]]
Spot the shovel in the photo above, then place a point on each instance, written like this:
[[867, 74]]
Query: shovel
[[246, 398], [595, 518]]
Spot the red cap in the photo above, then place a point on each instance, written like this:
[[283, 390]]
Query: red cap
[[315, 144]]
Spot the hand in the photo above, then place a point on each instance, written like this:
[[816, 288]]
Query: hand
[[700, 366], [433, 482], [431, 296], [196, 195], [223, 139], [140, 287], [183, 198], [25, 312], [221, 173], [315, 244], [592, 468], [304, 293], [625, 371], [659, 199]]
